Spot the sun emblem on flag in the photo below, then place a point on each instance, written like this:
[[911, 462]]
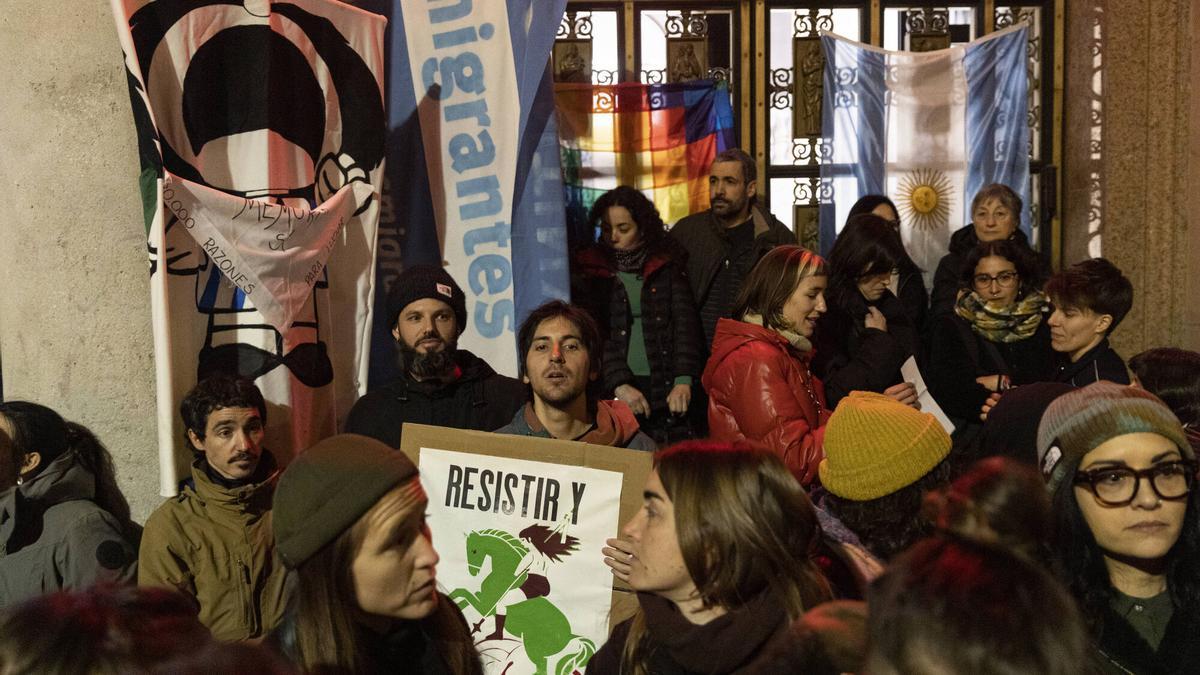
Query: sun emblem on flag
[[925, 199]]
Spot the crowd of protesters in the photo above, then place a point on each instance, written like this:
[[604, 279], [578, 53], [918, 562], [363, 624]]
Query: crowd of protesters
[[804, 513]]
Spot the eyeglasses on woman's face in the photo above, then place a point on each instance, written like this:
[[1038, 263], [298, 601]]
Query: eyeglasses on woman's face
[[1003, 279], [1118, 486]]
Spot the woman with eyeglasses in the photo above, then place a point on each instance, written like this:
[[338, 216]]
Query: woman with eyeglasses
[[995, 216], [996, 338], [909, 284], [865, 335], [1126, 531]]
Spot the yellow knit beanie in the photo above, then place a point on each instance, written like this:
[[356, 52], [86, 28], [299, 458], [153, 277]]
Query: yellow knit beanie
[[875, 445]]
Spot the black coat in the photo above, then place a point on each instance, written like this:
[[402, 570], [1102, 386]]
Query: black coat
[[670, 321], [848, 356], [736, 642], [1120, 649], [479, 399], [1101, 362], [708, 247], [948, 277], [915, 299], [958, 355]]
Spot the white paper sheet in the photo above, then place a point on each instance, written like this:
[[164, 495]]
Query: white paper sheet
[[911, 373]]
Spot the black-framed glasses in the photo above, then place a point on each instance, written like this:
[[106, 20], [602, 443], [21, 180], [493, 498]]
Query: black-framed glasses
[[1005, 279], [1118, 485]]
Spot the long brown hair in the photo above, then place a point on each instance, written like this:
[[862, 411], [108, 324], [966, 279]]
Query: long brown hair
[[773, 280], [745, 527], [328, 636]]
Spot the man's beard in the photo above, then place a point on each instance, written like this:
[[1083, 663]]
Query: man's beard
[[426, 365]]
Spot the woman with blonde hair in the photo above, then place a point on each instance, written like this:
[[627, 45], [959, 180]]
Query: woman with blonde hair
[[722, 556], [758, 379]]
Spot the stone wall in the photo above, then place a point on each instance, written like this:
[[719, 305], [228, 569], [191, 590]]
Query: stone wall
[[1131, 145], [74, 309]]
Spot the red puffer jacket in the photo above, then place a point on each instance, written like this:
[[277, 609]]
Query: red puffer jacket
[[760, 390]]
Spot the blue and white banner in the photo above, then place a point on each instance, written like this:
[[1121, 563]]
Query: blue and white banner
[[474, 181], [928, 129]]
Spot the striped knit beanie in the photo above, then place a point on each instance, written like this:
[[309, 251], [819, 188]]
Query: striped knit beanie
[[1077, 422]]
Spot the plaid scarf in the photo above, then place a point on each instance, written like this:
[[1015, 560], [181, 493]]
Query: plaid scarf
[[1003, 324]]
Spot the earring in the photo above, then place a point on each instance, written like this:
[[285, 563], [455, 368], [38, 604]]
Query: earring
[[20, 480]]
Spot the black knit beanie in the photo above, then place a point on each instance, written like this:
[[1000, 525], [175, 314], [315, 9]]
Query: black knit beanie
[[426, 281], [325, 490]]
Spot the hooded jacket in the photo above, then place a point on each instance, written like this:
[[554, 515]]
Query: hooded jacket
[[216, 545], [615, 426], [946, 279], [478, 398], [54, 536], [760, 389]]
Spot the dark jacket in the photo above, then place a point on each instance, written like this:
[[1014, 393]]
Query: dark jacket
[[53, 536], [958, 355], [848, 356], [1120, 649], [947, 278], [479, 398], [760, 389], [1101, 362], [615, 426], [707, 245], [914, 297], [670, 321], [829, 639], [733, 643], [407, 649]]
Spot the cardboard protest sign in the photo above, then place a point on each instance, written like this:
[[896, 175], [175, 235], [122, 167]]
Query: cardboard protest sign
[[519, 523]]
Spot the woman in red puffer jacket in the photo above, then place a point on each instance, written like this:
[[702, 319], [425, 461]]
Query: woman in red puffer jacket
[[758, 380]]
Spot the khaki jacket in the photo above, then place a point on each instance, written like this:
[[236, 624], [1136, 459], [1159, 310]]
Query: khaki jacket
[[217, 546]]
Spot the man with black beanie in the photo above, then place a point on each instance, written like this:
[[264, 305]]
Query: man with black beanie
[[439, 383]]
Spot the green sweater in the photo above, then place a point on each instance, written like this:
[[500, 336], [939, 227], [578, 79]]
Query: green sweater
[[635, 355]]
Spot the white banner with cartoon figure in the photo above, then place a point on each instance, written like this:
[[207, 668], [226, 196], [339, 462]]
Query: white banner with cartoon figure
[[520, 543]]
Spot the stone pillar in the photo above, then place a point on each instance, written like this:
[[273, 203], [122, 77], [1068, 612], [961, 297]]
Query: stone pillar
[[75, 303], [1129, 147]]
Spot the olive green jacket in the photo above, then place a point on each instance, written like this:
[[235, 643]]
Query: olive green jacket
[[216, 545]]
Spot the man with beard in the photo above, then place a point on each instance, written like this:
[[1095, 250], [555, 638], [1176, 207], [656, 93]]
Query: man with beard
[[560, 358], [724, 242], [214, 540], [439, 384]]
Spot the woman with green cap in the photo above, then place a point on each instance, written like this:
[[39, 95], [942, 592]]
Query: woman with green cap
[[1126, 530], [350, 521]]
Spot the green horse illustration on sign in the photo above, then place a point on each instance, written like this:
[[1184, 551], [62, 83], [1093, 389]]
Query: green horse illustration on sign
[[543, 629]]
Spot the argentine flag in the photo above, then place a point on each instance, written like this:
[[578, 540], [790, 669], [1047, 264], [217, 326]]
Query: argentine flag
[[928, 129]]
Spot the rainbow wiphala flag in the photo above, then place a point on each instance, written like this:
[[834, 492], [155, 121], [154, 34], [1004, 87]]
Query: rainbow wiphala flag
[[659, 138]]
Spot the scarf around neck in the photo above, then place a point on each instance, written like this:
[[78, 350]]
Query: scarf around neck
[[631, 260], [1014, 323], [795, 339]]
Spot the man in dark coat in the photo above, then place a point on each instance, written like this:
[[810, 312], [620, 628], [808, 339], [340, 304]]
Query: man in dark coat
[[439, 384], [724, 242]]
